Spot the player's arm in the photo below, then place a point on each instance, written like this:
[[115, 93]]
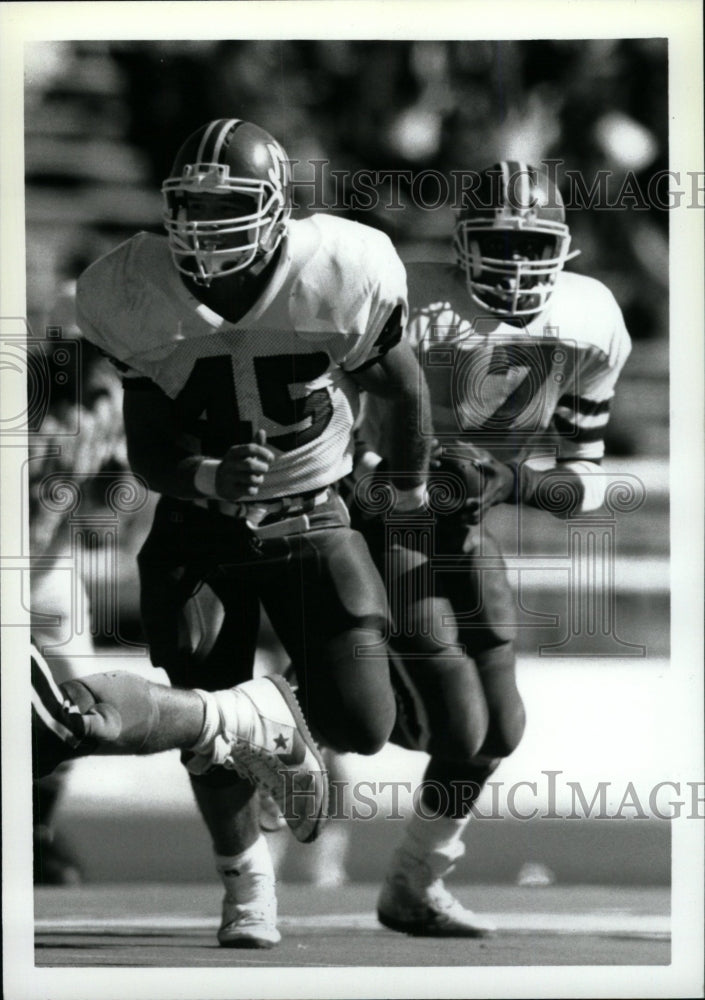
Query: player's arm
[[397, 378], [575, 483], [156, 454], [569, 486]]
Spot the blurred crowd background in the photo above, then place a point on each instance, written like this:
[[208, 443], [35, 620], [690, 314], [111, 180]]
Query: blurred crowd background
[[104, 120]]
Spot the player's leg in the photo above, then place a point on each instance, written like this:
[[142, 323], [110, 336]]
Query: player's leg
[[256, 728], [67, 649], [111, 713], [441, 709], [488, 635], [341, 690], [425, 637], [330, 614], [207, 640], [426, 641], [228, 803], [57, 728], [328, 606], [476, 606], [414, 898]]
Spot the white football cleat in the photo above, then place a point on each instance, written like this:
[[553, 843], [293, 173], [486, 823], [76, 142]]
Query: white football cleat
[[415, 901], [250, 914], [264, 737]]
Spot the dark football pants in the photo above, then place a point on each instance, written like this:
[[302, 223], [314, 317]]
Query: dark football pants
[[320, 590], [453, 632]]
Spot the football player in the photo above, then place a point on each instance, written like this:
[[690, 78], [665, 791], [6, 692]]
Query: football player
[[255, 729], [521, 359], [245, 339]]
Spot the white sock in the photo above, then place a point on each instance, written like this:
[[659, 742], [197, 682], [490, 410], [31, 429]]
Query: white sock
[[441, 835], [234, 870], [211, 722], [226, 711], [234, 709]]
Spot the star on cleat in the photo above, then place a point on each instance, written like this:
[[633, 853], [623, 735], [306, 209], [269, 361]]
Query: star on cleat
[[251, 714]]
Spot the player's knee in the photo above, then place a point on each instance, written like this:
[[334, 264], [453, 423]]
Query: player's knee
[[428, 631], [451, 691], [507, 717], [508, 734], [506, 730], [118, 709], [462, 742], [351, 703], [366, 730], [370, 740], [362, 728], [471, 740]]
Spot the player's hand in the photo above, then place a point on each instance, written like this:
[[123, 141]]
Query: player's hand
[[242, 470], [485, 480], [379, 492]]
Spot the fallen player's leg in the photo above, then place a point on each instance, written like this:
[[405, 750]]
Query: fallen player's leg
[[256, 729]]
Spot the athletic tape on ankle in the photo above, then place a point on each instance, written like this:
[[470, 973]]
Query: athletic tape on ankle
[[255, 858], [211, 721]]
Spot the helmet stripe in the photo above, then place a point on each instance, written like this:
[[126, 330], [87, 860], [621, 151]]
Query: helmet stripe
[[229, 127], [218, 131], [201, 154]]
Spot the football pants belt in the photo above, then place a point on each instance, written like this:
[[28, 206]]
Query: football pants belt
[[260, 512]]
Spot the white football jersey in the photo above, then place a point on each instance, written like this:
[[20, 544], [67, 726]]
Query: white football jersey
[[283, 367], [544, 388]]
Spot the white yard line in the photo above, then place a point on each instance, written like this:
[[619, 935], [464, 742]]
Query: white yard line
[[601, 924]]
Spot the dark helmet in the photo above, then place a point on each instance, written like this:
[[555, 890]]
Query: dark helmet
[[227, 200], [511, 238]]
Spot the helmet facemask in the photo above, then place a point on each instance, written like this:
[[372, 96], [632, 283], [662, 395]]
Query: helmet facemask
[[218, 225], [511, 266]]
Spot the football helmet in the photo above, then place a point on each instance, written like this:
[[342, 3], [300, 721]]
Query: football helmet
[[227, 200], [511, 239]]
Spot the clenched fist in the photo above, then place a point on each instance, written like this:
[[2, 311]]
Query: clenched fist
[[242, 468]]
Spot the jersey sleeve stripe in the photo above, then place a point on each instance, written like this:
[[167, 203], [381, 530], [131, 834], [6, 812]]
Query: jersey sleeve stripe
[[568, 429], [601, 420], [589, 407]]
